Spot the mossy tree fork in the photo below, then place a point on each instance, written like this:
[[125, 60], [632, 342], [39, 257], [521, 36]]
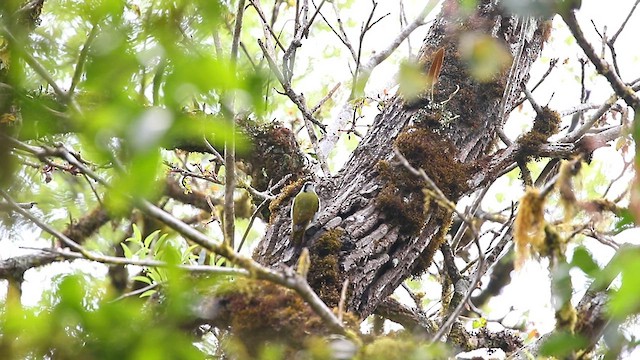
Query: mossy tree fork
[[378, 251]]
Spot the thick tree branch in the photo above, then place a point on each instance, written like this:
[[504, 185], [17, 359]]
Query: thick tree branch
[[504, 159], [15, 267], [412, 319]]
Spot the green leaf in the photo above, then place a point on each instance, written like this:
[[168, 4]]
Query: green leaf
[[192, 75], [562, 345], [72, 292], [626, 220], [157, 275], [149, 238], [148, 293], [583, 259], [624, 302], [190, 127], [188, 255], [143, 279], [137, 235], [162, 239], [111, 65], [140, 180], [561, 285], [127, 251], [479, 323]]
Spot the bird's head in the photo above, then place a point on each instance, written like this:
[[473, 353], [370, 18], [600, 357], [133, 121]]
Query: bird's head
[[309, 186]]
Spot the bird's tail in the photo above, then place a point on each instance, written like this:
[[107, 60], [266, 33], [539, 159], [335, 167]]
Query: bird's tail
[[297, 235]]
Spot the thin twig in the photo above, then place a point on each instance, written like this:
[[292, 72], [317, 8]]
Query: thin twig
[[305, 31], [269, 28], [552, 65], [68, 242], [620, 88], [610, 102], [344, 38], [532, 101], [93, 189], [295, 98], [213, 150], [229, 217], [114, 260], [82, 58], [624, 23], [325, 98], [414, 297], [308, 117], [275, 12], [250, 225], [136, 292], [343, 298], [611, 42], [444, 328], [357, 85], [383, 54], [578, 109], [472, 213]]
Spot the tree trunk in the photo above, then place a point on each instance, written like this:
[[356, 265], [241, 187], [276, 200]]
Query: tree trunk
[[375, 227]]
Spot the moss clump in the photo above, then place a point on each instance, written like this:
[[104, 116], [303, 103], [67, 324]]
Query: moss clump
[[402, 198], [554, 245], [276, 153], [423, 262], [545, 124], [528, 233], [260, 312], [324, 273], [286, 193], [396, 346], [429, 118], [601, 205], [435, 155], [566, 317]]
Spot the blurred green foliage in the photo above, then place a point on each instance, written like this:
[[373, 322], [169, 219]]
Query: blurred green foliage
[[562, 345], [144, 76], [392, 348], [137, 78], [485, 56], [79, 327]]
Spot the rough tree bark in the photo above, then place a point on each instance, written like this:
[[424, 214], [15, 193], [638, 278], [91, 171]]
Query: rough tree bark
[[373, 213]]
